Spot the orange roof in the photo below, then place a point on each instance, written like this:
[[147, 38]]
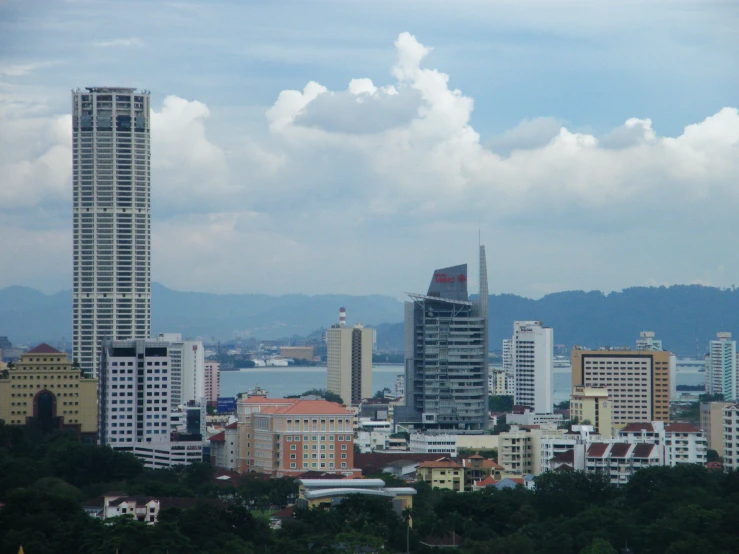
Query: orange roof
[[517, 480], [308, 407], [44, 348], [220, 437], [487, 482], [486, 463], [440, 464], [263, 400]]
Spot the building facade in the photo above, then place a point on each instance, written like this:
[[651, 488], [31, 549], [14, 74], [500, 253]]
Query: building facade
[[284, 437], [349, 363], [297, 352], [45, 389], [446, 346], [442, 443], [532, 354], [639, 382], [721, 370], [134, 393], [212, 381], [731, 437], [711, 421], [501, 382], [593, 406], [111, 220], [187, 369], [646, 341]]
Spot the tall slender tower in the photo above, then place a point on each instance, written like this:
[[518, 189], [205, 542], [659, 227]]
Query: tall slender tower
[[112, 219]]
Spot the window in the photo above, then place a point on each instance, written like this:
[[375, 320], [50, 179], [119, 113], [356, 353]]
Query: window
[[343, 447]]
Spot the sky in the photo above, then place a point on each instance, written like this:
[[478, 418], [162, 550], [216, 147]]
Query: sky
[[352, 146]]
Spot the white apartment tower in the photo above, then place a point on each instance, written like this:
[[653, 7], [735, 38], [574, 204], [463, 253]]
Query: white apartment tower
[[134, 393], [532, 357], [721, 370], [111, 219], [187, 358], [349, 362]]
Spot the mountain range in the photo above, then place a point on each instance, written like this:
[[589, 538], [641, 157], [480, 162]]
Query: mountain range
[[685, 317]]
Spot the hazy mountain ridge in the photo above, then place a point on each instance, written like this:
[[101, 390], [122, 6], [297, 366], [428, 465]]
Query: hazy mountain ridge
[[685, 317]]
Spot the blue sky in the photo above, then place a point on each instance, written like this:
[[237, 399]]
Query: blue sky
[[508, 116]]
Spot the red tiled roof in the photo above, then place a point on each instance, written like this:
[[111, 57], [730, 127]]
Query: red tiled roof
[[233, 425], [486, 463], [517, 480], [597, 449], [714, 465], [567, 457], [564, 467], [44, 348], [284, 513], [638, 428], [681, 428], [643, 450], [620, 450], [309, 407], [476, 457], [440, 464], [487, 482], [220, 437]]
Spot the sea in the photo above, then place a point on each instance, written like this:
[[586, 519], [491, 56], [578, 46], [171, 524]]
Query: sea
[[285, 381]]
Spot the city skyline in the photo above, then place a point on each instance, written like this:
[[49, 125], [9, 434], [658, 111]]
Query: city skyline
[[406, 137]]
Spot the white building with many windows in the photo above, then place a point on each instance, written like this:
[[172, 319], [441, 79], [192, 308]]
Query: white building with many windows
[[427, 443], [731, 437], [721, 370], [111, 182], [532, 355], [187, 373]]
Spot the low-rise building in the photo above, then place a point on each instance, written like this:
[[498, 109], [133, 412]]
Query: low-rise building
[[476, 468], [443, 473], [297, 352], [163, 455], [142, 508], [429, 443], [224, 448], [682, 442], [593, 406], [46, 389], [328, 492], [530, 418], [525, 450]]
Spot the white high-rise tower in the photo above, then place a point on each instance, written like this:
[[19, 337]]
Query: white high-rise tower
[[533, 363], [112, 219]]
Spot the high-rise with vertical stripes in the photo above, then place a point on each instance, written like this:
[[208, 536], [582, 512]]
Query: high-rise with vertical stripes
[[112, 219]]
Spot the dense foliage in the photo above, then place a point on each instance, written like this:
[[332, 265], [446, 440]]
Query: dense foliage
[[661, 511]]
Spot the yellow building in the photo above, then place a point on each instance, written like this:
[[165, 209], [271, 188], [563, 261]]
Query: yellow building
[[349, 363], [592, 406], [44, 389], [638, 381], [712, 424], [443, 473]]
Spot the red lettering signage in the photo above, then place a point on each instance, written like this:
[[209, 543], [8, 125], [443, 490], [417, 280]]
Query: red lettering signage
[[443, 278]]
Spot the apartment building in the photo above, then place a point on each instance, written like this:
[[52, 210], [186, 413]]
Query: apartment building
[[224, 448], [721, 370], [46, 390], [683, 443], [712, 423], [349, 362], [441, 443], [731, 437], [639, 382], [284, 437], [523, 451], [501, 382], [443, 473], [212, 381], [532, 353], [187, 368], [593, 406]]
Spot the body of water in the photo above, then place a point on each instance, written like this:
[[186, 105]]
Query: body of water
[[283, 381]]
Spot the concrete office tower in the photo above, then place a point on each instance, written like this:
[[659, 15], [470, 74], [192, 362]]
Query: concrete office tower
[[134, 393], [638, 381], [187, 379], [721, 370], [212, 381], [532, 356], [349, 362], [508, 356], [646, 341], [446, 354], [111, 220]]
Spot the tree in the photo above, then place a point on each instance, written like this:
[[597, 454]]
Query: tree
[[599, 546], [712, 456], [500, 403], [564, 405]]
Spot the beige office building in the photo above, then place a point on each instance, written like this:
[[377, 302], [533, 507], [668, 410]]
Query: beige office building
[[45, 389], [638, 381], [349, 362], [593, 406], [711, 422], [297, 352]]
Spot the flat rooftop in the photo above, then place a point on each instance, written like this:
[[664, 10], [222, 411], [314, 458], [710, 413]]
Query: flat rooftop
[[110, 89]]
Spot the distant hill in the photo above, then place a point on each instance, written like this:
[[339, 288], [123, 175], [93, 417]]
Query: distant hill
[[684, 317]]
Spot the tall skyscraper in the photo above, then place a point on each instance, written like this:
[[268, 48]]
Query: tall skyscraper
[[349, 361], [532, 357], [111, 219], [638, 381], [212, 381], [721, 373], [446, 348]]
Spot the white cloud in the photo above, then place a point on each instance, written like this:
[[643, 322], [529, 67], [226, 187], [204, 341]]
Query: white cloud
[[120, 43], [20, 70]]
